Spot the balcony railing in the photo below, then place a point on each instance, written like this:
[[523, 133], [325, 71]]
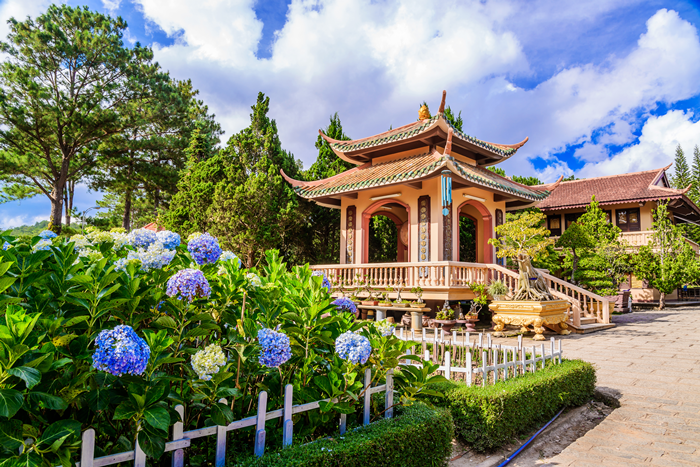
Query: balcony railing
[[443, 276], [644, 237]]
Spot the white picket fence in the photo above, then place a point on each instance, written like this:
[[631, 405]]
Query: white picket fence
[[498, 362], [181, 439]]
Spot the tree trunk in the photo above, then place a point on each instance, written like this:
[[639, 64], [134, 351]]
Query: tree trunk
[[68, 201], [56, 209], [662, 300], [574, 266], [531, 286], [126, 221]]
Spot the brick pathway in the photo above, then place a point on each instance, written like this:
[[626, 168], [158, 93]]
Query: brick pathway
[[652, 359]]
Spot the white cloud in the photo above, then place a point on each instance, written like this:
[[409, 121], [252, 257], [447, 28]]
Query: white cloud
[[11, 222], [19, 9], [656, 147], [112, 5]]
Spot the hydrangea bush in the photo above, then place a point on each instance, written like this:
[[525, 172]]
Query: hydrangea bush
[[116, 328]]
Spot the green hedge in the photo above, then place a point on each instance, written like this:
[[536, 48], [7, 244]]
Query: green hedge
[[417, 436], [487, 418]]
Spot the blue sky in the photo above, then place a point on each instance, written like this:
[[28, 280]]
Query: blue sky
[[600, 86]]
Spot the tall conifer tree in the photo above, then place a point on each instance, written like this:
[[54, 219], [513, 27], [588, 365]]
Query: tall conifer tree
[[694, 192], [681, 175]]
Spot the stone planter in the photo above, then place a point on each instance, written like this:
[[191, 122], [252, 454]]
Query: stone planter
[[612, 299], [386, 304], [447, 324], [468, 323], [370, 302], [552, 314], [417, 305]]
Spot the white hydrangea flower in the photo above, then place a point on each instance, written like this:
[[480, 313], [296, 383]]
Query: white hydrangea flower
[[254, 279], [99, 236], [80, 241], [208, 362], [41, 245], [193, 235], [119, 239]]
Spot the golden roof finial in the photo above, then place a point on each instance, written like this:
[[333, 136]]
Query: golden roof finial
[[424, 113]]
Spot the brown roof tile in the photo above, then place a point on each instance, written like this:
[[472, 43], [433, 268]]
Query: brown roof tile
[[612, 189]]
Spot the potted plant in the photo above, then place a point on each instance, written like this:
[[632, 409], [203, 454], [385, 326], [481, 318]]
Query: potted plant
[[498, 290], [445, 317], [418, 292], [367, 286], [385, 301]]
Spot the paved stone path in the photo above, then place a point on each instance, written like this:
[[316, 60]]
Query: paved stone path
[[652, 359]]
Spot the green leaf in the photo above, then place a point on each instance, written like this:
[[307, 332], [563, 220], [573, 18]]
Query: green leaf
[[81, 279], [11, 434], [166, 322], [221, 414], [153, 446], [28, 459], [10, 402], [157, 417], [6, 282], [124, 411], [49, 401], [31, 376], [324, 384], [59, 431], [325, 406]]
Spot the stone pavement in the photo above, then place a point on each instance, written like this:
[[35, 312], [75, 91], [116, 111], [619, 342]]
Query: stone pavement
[[652, 360]]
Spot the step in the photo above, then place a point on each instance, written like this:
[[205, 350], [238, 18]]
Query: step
[[588, 321], [586, 328]]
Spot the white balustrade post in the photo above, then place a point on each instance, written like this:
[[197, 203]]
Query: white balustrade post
[[389, 395], [221, 431], [489, 340], [367, 398], [495, 365], [260, 424], [469, 366], [505, 363], [559, 351], [288, 424], [484, 375], [178, 458], [543, 359], [534, 359], [87, 448], [454, 337], [551, 341]]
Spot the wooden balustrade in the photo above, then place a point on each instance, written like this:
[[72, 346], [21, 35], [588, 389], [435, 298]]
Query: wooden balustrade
[[446, 275]]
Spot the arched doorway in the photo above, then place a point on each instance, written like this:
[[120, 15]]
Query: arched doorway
[[385, 232], [475, 212], [468, 238]]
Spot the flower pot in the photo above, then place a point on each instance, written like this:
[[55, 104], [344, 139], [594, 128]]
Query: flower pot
[[387, 304], [417, 320], [447, 324], [363, 313], [417, 305], [499, 297], [468, 323], [369, 302]]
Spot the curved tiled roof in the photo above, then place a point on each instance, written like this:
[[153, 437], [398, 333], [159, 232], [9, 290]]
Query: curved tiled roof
[[411, 168]]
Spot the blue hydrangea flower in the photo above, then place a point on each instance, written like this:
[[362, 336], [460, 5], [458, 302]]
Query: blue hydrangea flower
[[156, 257], [188, 284], [142, 238], [204, 249], [170, 240], [275, 348], [385, 327], [230, 256], [353, 347], [121, 350], [47, 234], [345, 304], [6, 246], [42, 245], [326, 282]]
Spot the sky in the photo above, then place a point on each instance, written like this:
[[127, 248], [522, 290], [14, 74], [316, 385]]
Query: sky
[[600, 87]]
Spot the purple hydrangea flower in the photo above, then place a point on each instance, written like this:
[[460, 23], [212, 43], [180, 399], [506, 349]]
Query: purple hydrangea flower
[[204, 249], [353, 347], [326, 282], [345, 304], [142, 238], [121, 350], [188, 284], [47, 234], [275, 348], [169, 239]]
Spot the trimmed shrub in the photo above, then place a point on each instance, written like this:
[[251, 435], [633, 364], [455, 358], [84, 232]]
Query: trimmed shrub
[[418, 436], [487, 418]]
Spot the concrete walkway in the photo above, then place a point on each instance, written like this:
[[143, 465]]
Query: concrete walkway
[[652, 360]]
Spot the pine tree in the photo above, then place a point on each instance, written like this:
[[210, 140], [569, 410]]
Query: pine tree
[[681, 176], [694, 192], [455, 121]]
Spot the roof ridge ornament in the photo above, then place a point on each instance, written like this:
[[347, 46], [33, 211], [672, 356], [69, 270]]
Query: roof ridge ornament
[[441, 110], [448, 144]]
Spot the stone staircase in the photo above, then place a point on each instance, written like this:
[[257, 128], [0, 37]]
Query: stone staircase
[[588, 324]]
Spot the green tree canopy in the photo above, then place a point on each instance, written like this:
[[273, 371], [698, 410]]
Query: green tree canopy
[[68, 85], [577, 241], [668, 261]]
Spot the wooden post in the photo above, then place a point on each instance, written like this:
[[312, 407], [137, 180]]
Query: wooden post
[[522, 354], [552, 349], [534, 359], [343, 423], [447, 365], [139, 455], [221, 443], [495, 365], [260, 425], [489, 340], [484, 375], [178, 458], [288, 424], [469, 367], [368, 382], [543, 359], [559, 351], [481, 340], [389, 395], [87, 448], [505, 363]]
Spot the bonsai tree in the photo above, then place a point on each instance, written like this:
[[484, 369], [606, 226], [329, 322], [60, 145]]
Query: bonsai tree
[[497, 288], [668, 261], [418, 292], [575, 239], [522, 239]]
